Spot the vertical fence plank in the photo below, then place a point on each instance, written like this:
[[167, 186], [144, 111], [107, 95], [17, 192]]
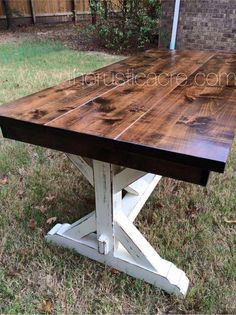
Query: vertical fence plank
[[31, 3], [39, 10], [74, 10], [7, 9], [1, 8]]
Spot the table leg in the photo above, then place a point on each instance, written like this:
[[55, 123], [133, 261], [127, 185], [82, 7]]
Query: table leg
[[108, 234]]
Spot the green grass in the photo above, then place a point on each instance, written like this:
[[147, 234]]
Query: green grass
[[185, 223], [30, 66]]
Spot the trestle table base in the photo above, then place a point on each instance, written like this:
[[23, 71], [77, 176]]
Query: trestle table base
[[108, 234]]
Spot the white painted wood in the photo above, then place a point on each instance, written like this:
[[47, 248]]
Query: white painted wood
[[83, 166], [104, 244], [125, 178], [88, 243], [122, 261], [137, 245], [104, 203], [63, 228], [88, 161], [139, 186], [82, 227], [118, 243], [132, 204], [54, 229], [117, 169]]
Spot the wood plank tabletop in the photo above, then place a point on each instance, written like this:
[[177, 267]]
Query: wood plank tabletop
[[172, 113]]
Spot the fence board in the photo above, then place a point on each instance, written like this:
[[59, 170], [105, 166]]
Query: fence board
[[82, 5], [52, 6], [44, 9], [20, 7], [1, 9]]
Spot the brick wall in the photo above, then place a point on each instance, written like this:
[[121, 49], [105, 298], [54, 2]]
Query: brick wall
[[203, 24]]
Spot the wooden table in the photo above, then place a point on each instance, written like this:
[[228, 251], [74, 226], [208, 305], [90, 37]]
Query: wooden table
[[171, 113]]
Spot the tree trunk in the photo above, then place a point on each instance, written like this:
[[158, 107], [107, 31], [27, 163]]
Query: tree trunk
[[124, 8], [105, 4], [93, 8]]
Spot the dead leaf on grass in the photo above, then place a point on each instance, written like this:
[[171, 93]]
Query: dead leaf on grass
[[49, 197], [3, 180], [22, 171], [14, 273], [42, 209], [51, 220], [47, 306], [32, 224], [20, 194], [23, 251], [115, 271]]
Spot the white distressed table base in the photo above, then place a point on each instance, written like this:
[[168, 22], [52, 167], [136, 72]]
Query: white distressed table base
[[108, 234]]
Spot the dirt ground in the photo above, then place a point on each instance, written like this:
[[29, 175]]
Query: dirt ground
[[67, 33]]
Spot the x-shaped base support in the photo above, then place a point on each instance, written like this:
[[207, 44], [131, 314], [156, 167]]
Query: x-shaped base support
[[108, 234]]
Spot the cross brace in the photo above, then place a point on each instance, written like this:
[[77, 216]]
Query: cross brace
[[108, 234]]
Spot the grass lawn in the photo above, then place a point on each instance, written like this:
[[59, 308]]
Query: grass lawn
[[187, 224]]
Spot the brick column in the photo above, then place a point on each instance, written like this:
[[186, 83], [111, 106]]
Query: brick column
[[203, 24]]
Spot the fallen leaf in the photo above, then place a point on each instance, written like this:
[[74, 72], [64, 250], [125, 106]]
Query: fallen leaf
[[13, 273], [32, 224], [47, 306], [3, 180], [23, 251], [51, 220], [20, 194], [230, 221], [22, 171], [42, 209], [115, 271], [35, 155], [50, 197]]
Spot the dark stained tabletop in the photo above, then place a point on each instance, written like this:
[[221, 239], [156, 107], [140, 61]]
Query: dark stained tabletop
[[167, 112]]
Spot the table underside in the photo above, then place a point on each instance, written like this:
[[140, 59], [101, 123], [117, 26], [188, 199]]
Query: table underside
[[172, 113]]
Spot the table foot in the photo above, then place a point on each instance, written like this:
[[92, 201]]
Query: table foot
[[108, 234]]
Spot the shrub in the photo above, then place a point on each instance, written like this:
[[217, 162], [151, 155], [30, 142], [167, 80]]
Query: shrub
[[124, 24]]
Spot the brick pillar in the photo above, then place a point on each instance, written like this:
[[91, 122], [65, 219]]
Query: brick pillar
[[203, 24]]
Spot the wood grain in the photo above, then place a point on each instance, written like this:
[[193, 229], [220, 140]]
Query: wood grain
[[197, 120], [54, 102], [116, 110], [160, 111]]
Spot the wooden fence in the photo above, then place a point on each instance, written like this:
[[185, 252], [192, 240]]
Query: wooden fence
[[44, 11]]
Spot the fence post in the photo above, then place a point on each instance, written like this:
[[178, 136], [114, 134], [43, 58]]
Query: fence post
[[31, 3], [7, 9], [74, 10]]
